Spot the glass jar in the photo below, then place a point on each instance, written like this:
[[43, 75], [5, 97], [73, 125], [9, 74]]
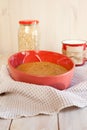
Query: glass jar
[[28, 35]]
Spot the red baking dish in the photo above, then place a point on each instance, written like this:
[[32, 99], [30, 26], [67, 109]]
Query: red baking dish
[[61, 81]]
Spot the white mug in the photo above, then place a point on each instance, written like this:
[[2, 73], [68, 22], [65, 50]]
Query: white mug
[[75, 49]]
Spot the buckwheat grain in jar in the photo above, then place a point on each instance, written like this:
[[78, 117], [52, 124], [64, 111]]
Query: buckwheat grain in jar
[[28, 35]]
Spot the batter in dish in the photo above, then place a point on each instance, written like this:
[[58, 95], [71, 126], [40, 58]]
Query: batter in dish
[[42, 68]]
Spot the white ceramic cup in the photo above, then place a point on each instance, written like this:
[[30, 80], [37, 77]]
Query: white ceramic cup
[[75, 49]]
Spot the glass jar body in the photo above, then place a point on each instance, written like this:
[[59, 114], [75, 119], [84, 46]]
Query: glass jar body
[[28, 36]]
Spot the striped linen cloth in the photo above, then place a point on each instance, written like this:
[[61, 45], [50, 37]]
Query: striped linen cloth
[[18, 99]]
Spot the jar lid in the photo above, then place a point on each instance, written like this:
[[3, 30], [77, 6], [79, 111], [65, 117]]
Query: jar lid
[[29, 22]]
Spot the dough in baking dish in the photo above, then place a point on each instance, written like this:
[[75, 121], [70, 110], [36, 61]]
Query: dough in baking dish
[[42, 68]]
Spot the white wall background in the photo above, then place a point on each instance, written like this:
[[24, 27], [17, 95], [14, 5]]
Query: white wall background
[[59, 20]]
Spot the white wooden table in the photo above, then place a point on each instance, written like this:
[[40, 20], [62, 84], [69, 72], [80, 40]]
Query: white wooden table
[[68, 119]]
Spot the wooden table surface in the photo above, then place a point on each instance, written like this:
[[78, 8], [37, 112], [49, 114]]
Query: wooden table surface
[[68, 119]]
